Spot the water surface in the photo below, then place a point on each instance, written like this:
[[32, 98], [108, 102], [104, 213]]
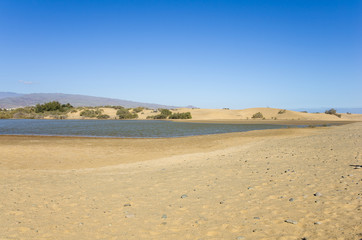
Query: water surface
[[121, 128]]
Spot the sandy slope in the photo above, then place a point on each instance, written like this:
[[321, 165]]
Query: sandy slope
[[236, 185], [244, 114], [268, 113]]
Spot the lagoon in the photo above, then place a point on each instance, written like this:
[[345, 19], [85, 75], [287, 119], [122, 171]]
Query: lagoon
[[122, 128]]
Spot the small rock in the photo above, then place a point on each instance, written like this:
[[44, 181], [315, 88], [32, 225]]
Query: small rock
[[317, 194], [127, 205], [291, 199], [317, 223], [164, 223], [256, 217], [240, 238], [164, 216], [184, 196], [129, 216], [291, 221]]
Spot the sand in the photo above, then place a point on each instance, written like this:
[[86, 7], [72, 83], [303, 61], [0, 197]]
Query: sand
[[270, 114], [228, 186]]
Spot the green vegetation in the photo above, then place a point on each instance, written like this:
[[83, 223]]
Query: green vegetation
[[52, 106], [258, 115], [91, 113], [186, 115], [333, 111], [282, 111], [164, 114], [138, 109], [52, 109], [159, 116], [124, 113], [165, 111], [103, 116], [167, 114]]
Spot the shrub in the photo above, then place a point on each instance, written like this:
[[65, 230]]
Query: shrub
[[91, 113], [125, 114], [138, 109], [103, 116], [52, 106], [186, 115], [158, 116], [282, 111], [165, 112], [258, 115], [331, 111]]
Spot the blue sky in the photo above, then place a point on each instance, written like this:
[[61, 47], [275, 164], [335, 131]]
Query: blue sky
[[211, 54]]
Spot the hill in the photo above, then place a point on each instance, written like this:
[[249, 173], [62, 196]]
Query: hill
[[9, 94], [14, 100]]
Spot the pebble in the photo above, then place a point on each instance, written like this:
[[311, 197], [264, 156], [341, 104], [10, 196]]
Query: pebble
[[291, 199], [317, 223], [291, 221], [240, 238], [256, 217], [127, 205], [129, 216], [164, 216], [184, 196], [317, 194]]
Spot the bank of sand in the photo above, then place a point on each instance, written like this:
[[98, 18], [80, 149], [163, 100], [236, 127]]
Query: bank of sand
[[225, 186], [244, 115]]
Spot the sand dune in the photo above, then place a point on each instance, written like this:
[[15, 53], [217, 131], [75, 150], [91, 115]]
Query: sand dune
[[273, 184], [244, 114], [268, 114]]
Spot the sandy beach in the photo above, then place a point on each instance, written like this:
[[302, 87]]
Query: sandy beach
[[270, 184]]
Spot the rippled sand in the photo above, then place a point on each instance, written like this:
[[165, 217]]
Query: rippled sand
[[225, 186]]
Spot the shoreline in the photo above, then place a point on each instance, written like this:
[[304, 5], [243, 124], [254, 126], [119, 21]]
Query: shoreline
[[115, 151]]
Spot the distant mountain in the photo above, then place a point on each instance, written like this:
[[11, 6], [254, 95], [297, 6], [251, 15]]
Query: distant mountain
[[9, 94], [14, 100], [322, 110]]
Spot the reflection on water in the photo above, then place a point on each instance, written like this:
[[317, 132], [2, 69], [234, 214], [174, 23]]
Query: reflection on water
[[124, 128]]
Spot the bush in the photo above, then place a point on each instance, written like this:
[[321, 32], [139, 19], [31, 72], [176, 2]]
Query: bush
[[258, 115], [52, 106], [159, 116], [103, 116], [91, 113], [165, 112], [125, 114], [138, 109], [186, 115], [333, 111], [282, 111]]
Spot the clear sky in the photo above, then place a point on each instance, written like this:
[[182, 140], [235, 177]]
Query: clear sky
[[210, 54]]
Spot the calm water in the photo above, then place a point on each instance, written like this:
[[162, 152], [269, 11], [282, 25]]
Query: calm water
[[126, 129]]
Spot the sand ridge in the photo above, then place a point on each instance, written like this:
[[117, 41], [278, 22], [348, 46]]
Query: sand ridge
[[243, 114], [245, 189]]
